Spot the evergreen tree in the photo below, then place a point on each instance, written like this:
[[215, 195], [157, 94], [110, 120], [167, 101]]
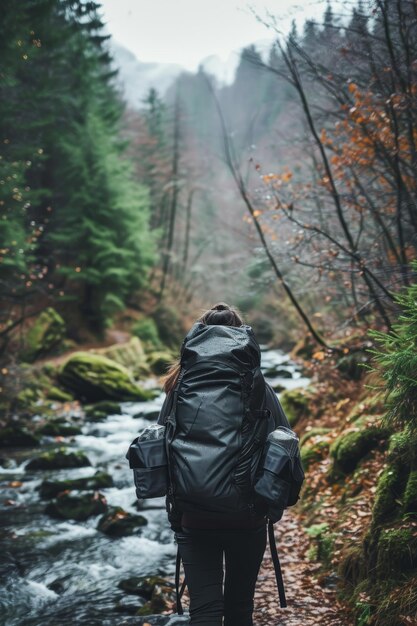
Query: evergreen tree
[[63, 112]]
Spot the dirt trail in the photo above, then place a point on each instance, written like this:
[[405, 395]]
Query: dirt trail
[[309, 603]]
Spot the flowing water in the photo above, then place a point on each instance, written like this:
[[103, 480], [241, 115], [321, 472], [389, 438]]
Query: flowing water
[[56, 572]]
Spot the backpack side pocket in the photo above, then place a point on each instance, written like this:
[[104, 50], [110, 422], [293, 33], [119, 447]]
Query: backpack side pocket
[[150, 469]]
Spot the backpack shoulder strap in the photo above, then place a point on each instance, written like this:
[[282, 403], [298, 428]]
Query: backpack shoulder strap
[[179, 592], [277, 566]]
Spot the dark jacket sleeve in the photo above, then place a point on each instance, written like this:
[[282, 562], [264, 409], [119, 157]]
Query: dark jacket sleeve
[[273, 404], [165, 410]]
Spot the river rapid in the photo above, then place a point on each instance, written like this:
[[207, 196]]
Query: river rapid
[[55, 572]]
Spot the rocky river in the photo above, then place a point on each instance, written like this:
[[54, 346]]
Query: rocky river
[[84, 571]]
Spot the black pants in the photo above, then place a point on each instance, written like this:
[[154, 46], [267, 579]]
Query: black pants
[[202, 554]]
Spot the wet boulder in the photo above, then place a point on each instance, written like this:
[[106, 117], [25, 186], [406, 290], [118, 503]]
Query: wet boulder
[[17, 437], [59, 428], [46, 334], [143, 585], [93, 377], [162, 599], [160, 362], [129, 354], [119, 523], [129, 605], [51, 488], [61, 458], [78, 507], [101, 410], [57, 394]]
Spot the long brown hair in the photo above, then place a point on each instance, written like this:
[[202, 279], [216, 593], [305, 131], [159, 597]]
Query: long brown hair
[[221, 314]]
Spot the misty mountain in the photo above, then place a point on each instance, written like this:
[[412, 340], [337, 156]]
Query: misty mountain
[[135, 78]]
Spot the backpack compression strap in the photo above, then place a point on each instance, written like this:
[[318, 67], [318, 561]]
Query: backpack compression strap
[[179, 592], [277, 566]]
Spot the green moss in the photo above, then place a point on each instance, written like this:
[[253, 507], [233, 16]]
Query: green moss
[[46, 334], [56, 428], [147, 331], [295, 404], [100, 410], [410, 494], [349, 448], [58, 459], [389, 492], [160, 361], [313, 453], [314, 432], [130, 355], [93, 377], [403, 446], [396, 552], [51, 488], [55, 393], [323, 545], [76, 507]]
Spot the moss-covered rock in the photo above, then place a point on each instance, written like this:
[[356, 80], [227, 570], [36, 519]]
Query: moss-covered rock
[[17, 437], [130, 354], [47, 333], [101, 410], [313, 432], [51, 488], [143, 585], [92, 377], [410, 493], [389, 491], [57, 394], [350, 448], [28, 398], [58, 459], [77, 507], [120, 523], [315, 452], [161, 601], [159, 362], [396, 552], [58, 428], [295, 404]]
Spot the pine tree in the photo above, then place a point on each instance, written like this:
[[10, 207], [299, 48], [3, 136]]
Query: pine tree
[[396, 359]]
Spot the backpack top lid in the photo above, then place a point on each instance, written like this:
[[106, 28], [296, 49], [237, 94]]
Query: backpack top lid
[[217, 341]]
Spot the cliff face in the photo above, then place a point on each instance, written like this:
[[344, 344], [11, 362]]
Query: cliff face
[[135, 78]]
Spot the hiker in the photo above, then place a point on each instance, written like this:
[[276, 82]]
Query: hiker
[[205, 537]]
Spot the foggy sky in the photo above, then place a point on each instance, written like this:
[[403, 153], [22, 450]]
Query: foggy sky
[[187, 31]]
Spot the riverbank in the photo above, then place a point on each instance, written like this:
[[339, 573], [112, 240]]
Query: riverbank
[[63, 560]]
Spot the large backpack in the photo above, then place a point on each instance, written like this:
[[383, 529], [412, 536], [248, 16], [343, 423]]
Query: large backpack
[[218, 451], [217, 426]]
